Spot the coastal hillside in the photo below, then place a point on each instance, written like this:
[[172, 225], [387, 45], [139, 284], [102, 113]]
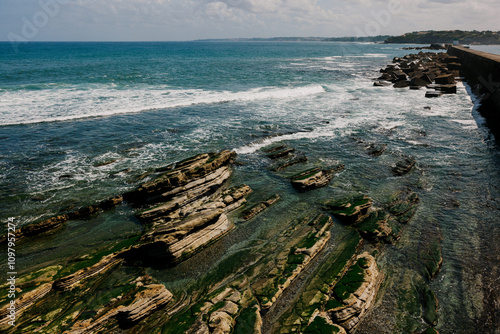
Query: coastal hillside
[[447, 36]]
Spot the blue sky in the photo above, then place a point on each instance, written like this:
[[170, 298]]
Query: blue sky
[[168, 20]]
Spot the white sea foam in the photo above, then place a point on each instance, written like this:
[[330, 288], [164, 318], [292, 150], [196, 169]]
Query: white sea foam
[[73, 102], [326, 131], [468, 123], [370, 55]]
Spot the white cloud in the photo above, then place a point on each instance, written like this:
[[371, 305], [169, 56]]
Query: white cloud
[[191, 19]]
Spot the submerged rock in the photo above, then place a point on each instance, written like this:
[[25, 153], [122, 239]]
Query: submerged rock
[[403, 205], [290, 162], [379, 226], [53, 224], [403, 167], [376, 149], [258, 208]]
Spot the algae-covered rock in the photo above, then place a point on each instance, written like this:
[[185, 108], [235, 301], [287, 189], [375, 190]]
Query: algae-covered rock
[[349, 210], [290, 162], [403, 205], [321, 325], [430, 256], [311, 179], [403, 166], [379, 226], [355, 293], [259, 207], [376, 150], [429, 305]]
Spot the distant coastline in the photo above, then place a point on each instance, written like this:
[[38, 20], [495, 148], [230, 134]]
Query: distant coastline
[[417, 37]]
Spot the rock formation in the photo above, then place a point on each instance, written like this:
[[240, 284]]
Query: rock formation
[[354, 294], [259, 207], [73, 280], [185, 208], [314, 178], [52, 224], [24, 302]]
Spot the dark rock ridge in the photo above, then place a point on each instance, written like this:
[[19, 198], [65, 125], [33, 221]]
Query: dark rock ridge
[[285, 155], [52, 224]]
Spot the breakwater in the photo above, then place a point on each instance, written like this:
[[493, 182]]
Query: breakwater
[[482, 71]]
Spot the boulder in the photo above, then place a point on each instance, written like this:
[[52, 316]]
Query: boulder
[[401, 84], [445, 79], [448, 89]]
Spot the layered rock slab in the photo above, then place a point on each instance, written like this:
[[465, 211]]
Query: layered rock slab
[[185, 208]]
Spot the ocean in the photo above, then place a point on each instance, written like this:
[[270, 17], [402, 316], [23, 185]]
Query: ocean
[[80, 122]]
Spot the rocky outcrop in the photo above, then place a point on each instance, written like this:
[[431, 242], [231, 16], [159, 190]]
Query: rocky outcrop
[[183, 176], [314, 178], [290, 162], [186, 209], [278, 151], [147, 301], [75, 279], [259, 207], [373, 224], [376, 150], [292, 259], [24, 302], [284, 155], [355, 293], [379, 226], [219, 314], [53, 224], [351, 209]]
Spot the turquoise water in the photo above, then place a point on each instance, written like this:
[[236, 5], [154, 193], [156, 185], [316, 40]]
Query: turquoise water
[[67, 108]]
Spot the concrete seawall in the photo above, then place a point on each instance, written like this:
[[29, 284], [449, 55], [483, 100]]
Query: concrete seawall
[[482, 71]]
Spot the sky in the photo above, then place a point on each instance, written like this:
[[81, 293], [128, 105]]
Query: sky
[[174, 20]]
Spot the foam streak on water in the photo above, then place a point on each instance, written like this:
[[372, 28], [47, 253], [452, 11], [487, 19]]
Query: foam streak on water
[[74, 102]]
